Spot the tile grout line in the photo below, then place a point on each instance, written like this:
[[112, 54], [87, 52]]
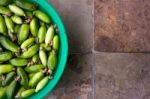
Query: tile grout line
[[93, 76], [93, 10], [93, 55]]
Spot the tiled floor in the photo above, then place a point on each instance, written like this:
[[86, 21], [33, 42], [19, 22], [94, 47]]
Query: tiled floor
[[77, 82], [91, 74]]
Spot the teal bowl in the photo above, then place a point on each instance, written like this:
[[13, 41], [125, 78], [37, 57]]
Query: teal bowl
[[63, 52]]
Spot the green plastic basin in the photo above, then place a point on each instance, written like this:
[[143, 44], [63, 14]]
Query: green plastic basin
[[63, 52]]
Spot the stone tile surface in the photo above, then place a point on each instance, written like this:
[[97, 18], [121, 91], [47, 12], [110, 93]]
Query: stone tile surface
[[77, 82], [94, 75], [122, 25], [77, 16], [122, 76]]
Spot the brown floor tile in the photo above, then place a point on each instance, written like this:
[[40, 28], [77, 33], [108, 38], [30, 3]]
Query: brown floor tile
[[77, 82], [122, 25], [78, 19], [122, 76]]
